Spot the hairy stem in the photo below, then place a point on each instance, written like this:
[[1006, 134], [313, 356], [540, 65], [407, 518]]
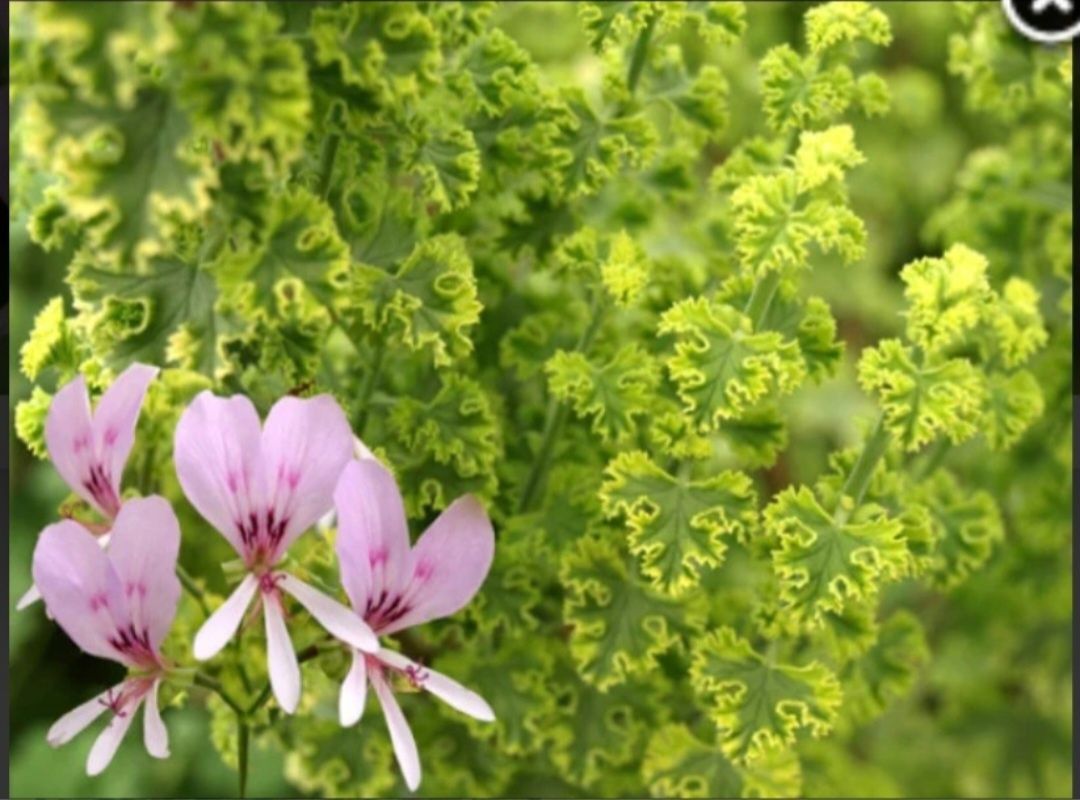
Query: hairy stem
[[242, 747], [370, 381], [192, 589], [641, 51], [555, 416], [257, 703], [877, 443], [932, 460], [308, 653], [238, 642], [554, 420], [146, 475], [762, 296], [215, 686]]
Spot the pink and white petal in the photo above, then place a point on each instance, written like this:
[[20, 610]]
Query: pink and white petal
[[155, 735], [69, 436], [401, 736], [81, 588], [145, 546], [282, 665], [446, 689], [30, 596], [101, 754], [305, 444], [79, 718], [339, 620], [361, 451], [116, 416], [33, 594], [218, 456], [221, 626], [373, 535], [450, 562], [353, 691]]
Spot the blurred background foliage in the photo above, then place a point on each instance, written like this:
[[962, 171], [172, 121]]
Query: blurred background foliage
[[991, 713]]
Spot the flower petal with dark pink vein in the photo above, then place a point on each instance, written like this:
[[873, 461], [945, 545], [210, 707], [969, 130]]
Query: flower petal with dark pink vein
[[373, 536], [449, 563]]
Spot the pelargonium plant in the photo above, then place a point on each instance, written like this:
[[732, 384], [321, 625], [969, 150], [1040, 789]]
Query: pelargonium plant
[[678, 392]]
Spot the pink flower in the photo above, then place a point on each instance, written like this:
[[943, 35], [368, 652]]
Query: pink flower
[[89, 450], [117, 605], [393, 587], [261, 488]]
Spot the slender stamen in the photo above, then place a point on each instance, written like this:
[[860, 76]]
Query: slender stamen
[[114, 701], [268, 582], [416, 675], [131, 690]]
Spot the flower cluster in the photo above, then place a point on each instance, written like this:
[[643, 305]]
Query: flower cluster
[[261, 487]]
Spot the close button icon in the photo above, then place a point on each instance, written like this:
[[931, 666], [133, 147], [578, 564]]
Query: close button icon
[[1064, 6], [1046, 21]]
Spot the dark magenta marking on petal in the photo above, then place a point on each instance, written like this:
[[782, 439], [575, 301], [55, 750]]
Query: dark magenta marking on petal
[[378, 613], [135, 645], [101, 489], [263, 532], [275, 529]]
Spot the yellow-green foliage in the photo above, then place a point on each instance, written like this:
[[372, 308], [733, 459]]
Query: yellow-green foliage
[[749, 323]]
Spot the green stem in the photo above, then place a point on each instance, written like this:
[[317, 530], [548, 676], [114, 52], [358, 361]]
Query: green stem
[[370, 381], [192, 589], [146, 474], [761, 298], [859, 479], [257, 703], [641, 50], [932, 460], [308, 653], [215, 686], [556, 414], [242, 746], [238, 643], [326, 163], [555, 418]]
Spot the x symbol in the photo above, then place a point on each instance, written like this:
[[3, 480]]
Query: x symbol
[[1064, 6]]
